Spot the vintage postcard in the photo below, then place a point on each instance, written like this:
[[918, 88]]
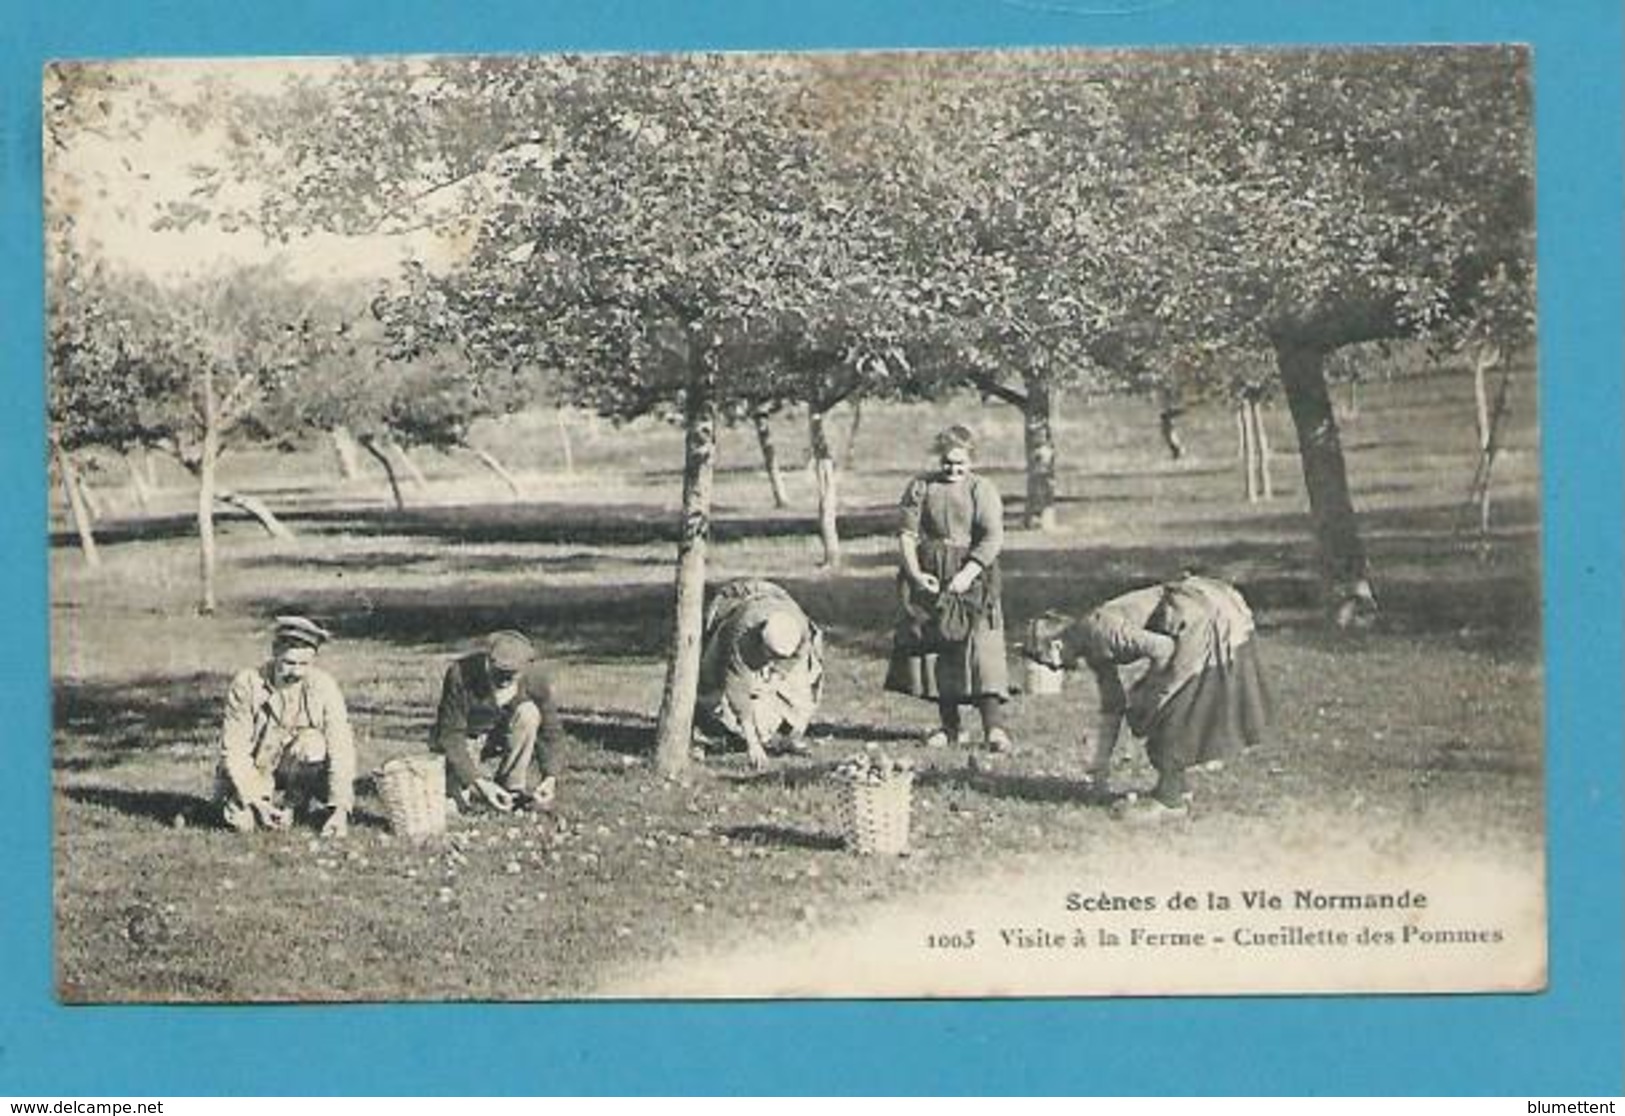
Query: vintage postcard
[[1004, 523]]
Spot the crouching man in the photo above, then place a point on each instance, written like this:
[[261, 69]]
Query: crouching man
[[761, 668], [498, 728], [285, 743]]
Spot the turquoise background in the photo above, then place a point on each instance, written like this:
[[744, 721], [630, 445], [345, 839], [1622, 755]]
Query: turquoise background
[[1566, 1041]]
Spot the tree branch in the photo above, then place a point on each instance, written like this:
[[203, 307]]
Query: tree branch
[[1346, 322], [412, 200], [172, 446], [233, 397], [987, 385], [827, 401]]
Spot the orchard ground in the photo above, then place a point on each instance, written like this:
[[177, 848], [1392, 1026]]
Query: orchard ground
[[1430, 724]]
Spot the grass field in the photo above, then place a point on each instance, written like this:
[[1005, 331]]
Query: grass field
[[1430, 724]]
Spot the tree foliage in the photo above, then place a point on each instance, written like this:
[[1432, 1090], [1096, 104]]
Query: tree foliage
[[709, 237], [1340, 196]]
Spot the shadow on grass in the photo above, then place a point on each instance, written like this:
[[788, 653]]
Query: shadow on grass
[[346, 563], [628, 734], [1075, 580], [1426, 579], [162, 807], [197, 811], [991, 783], [1012, 785], [1432, 592], [442, 560], [601, 622], [782, 836], [633, 734], [822, 731], [787, 777], [102, 724], [622, 524]]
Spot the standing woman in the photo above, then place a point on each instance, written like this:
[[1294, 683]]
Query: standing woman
[[949, 538]]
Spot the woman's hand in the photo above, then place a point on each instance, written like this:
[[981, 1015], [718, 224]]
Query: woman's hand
[[927, 583], [965, 578]]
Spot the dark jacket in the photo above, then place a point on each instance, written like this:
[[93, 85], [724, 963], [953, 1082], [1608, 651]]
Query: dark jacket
[[469, 711]]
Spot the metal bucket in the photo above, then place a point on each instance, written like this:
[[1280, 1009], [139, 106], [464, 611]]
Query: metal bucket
[[1043, 679]]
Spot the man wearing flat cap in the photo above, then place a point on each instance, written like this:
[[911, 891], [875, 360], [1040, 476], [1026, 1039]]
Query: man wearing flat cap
[[498, 727], [761, 668], [285, 742]]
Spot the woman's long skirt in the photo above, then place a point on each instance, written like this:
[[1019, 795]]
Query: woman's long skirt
[[964, 672], [1218, 712]]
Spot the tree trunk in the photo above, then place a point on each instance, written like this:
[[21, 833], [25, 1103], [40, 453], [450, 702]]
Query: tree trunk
[[770, 457], [825, 476], [344, 449], [564, 442], [76, 505], [1249, 450], [1241, 433], [370, 444], [208, 459], [1337, 530], [1483, 361], [674, 731], [139, 486], [256, 508], [1261, 450], [147, 461], [1168, 426], [490, 461], [93, 504], [1354, 397], [1491, 446], [849, 456], [1038, 415], [418, 479]]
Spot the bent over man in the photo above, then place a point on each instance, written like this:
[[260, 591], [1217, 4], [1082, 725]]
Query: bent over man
[[285, 741], [761, 668], [498, 728]]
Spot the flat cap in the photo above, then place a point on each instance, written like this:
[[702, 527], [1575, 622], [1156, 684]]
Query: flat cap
[[510, 650], [300, 629]]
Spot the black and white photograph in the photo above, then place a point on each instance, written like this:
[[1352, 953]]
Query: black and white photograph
[[908, 524]]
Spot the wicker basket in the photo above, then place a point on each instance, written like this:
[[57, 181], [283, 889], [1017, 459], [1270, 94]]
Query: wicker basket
[[875, 815], [414, 792]]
